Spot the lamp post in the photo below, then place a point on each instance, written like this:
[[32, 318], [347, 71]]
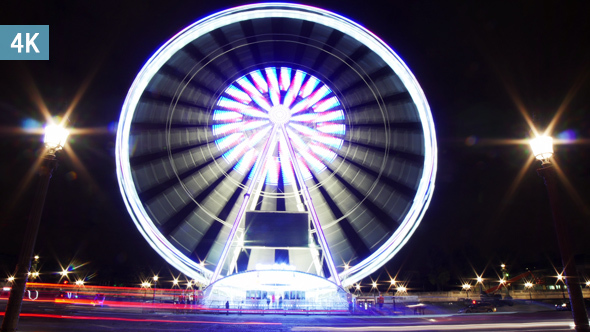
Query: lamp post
[[542, 147], [55, 139], [145, 285], [155, 286], [466, 288], [529, 285], [480, 282]]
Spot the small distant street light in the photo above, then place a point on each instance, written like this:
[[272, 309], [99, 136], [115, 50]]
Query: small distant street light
[[480, 283], [358, 288], [80, 282], [391, 283], [402, 289], [588, 283], [466, 287], [55, 139], [542, 147]]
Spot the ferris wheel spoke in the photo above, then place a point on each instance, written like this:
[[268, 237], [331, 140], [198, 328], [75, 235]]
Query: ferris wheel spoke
[[386, 220], [251, 38], [209, 70], [357, 53], [153, 187], [374, 172], [353, 238], [225, 45], [273, 85], [214, 237], [294, 88], [334, 38]]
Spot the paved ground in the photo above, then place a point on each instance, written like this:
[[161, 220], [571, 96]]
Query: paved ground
[[47, 317]]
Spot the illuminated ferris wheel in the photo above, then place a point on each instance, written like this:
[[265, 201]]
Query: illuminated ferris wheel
[[282, 109]]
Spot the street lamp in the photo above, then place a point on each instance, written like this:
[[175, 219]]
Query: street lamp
[[391, 283], [466, 287], [480, 282], [155, 286], [542, 147], [529, 285], [54, 139], [145, 285]]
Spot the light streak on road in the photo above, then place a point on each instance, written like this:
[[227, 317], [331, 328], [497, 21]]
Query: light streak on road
[[139, 320], [552, 326]]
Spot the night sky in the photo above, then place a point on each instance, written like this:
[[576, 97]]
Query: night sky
[[482, 65]]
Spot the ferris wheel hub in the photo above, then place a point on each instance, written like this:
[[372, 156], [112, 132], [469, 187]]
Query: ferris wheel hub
[[279, 114]]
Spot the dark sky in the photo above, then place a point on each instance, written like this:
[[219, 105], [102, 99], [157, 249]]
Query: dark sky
[[477, 62]]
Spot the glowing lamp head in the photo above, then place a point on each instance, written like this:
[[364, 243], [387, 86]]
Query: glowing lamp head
[[542, 147], [55, 137], [466, 286], [528, 284]]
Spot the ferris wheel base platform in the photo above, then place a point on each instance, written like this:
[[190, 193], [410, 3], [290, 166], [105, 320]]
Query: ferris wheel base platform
[[280, 290]]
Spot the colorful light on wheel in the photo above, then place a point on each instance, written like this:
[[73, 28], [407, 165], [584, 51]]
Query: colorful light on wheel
[[255, 102]]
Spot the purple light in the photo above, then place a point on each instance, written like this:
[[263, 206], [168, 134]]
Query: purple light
[[326, 104], [261, 98], [226, 116], [330, 116], [273, 86], [285, 78], [238, 94], [294, 88], [332, 128], [259, 81]]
